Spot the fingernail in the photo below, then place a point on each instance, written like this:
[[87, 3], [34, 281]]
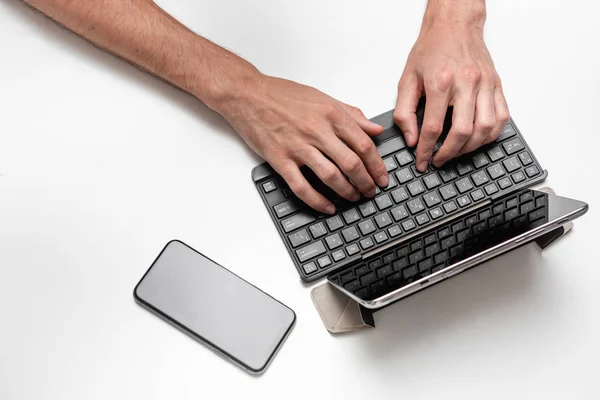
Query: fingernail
[[423, 165], [371, 192], [383, 180], [330, 209], [355, 197]]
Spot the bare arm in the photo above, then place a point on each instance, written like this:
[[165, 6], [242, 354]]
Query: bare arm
[[288, 124], [450, 64]]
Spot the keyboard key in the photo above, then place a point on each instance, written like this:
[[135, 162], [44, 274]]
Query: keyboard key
[[457, 250], [450, 207], [430, 239], [338, 255], [415, 206], [448, 173], [464, 167], [416, 173], [366, 243], [409, 272], [416, 245], [400, 263], [496, 171], [309, 268], [507, 132], [415, 188], [422, 219], [286, 208], [518, 177], [495, 154], [442, 233], [375, 263], [383, 220], [394, 231], [485, 214], [464, 185], [498, 208], [404, 175], [425, 265], [408, 225], [512, 164], [480, 178], [463, 201], [399, 195], [448, 192], [463, 235], [457, 226], [352, 285], [478, 228], [352, 249], [431, 250], [310, 251], [351, 215], [471, 220], [532, 171], [432, 181], [436, 213], [480, 160], [399, 213], [477, 195], [390, 164], [367, 226], [512, 202], [334, 223], [367, 279], [491, 189], [401, 252], [495, 221], [513, 146], [324, 261], [269, 186], [525, 158], [381, 237], [384, 271], [525, 208], [334, 241], [318, 230], [404, 158], [504, 183], [391, 146], [298, 238], [526, 196], [383, 202], [367, 209], [388, 258], [534, 215], [350, 234], [296, 221], [447, 242], [432, 199], [391, 183], [510, 214]]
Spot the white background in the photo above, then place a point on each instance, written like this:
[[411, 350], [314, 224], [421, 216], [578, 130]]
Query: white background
[[102, 165]]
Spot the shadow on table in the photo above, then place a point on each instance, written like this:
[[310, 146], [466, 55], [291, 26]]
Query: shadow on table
[[183, 99], [414, 322]]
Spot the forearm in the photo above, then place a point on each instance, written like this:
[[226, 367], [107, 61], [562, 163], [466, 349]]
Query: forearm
[[142, 33], [471, 13]]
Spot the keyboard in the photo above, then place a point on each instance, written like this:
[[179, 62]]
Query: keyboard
[[445, 245], [412, 202]]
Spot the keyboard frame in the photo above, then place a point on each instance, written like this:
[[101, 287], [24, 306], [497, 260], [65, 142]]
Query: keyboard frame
[[264, 172]]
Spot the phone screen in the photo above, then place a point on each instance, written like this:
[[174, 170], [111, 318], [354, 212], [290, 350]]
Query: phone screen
[[215, 306]]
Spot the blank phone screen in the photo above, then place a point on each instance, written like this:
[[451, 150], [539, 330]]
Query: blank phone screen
[[215, 305]]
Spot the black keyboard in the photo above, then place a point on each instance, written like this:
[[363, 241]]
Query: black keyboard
[[445, 245], [412, 202]]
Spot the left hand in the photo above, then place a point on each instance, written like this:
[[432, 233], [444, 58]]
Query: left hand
[[450, 65]]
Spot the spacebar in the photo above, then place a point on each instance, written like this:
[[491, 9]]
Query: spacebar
[[391, 146]]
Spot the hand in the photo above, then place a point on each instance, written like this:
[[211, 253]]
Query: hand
[[291, 125], [450, 65]]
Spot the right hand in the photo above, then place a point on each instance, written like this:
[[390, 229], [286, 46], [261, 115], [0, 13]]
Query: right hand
[[291, 125]]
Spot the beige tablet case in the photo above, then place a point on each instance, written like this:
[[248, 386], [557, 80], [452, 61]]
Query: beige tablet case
[[341, 314]]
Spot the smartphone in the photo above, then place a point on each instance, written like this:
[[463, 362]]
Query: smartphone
[[213, 305]]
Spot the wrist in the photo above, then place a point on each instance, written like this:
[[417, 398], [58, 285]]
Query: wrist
[[455, 14]]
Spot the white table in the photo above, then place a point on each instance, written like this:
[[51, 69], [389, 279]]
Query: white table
[[102, 165]]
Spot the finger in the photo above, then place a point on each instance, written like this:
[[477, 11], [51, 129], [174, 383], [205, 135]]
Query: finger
[[485, 120], [330, 174], [365, 124], [502, 114], [409, 93], [301, 188], [460, 132], [433, 124], [365, 149], [351, 165]]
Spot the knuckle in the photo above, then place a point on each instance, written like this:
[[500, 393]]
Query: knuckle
[[464, 132], [487, 124], [332, 112], [401, 116], [351, 164], [298, 187], [329, 173], [503, 117], [365, 146], [432, 128], [471, 74], [442, 80]]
